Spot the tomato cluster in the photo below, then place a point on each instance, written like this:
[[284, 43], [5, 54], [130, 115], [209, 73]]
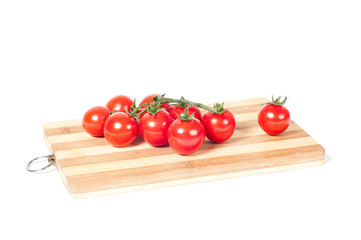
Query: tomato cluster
[[159, 121]]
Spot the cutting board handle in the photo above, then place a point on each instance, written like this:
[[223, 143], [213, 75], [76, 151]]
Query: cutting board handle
[[49, 160]]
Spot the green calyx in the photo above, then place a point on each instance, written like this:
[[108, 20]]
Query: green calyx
[[154, 110], [155, 106], [278, 101], [218, 108], [186, 116], [134, 110], [182, 104], [133, 106]]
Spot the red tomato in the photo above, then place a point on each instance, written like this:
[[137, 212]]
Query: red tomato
[[94, 119], [219, 127], [149, 99], [186, 137], [120, 129], [274, 119], [174, 110], [120, 103], [154, 129]]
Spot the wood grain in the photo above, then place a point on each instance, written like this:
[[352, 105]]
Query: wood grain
[[89, 166]]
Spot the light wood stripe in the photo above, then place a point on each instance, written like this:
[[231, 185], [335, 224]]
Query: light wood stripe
[[245, 116], [201, 154], [125, 178], [80, 191], [66, 138], [246, 109], [245, 102], [61, 124]]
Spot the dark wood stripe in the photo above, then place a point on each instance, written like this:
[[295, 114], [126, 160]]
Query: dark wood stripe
[[63, 130], [191, 169], [207, 145]]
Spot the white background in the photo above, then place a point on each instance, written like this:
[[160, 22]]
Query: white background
[[59, 58]]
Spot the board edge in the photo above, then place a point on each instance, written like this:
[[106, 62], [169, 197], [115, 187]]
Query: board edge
[[316, 163]]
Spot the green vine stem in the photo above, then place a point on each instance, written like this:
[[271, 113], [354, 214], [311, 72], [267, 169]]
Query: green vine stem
[[155, 106], [218, 108]]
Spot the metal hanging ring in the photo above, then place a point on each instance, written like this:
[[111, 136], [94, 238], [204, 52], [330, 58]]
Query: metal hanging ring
[[50, 159]]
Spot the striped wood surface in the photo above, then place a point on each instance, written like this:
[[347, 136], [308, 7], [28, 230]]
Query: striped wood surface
[[89, 166]]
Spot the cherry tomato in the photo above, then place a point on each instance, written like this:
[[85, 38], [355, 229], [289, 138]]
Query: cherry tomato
[[149, 99], [274, 119], [186, 137], [120, 129], [174, 110], [94, 119], [154, 129], [219, 127], [120, 103]]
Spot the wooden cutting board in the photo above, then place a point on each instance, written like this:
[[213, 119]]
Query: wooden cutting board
[[89, 166]]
